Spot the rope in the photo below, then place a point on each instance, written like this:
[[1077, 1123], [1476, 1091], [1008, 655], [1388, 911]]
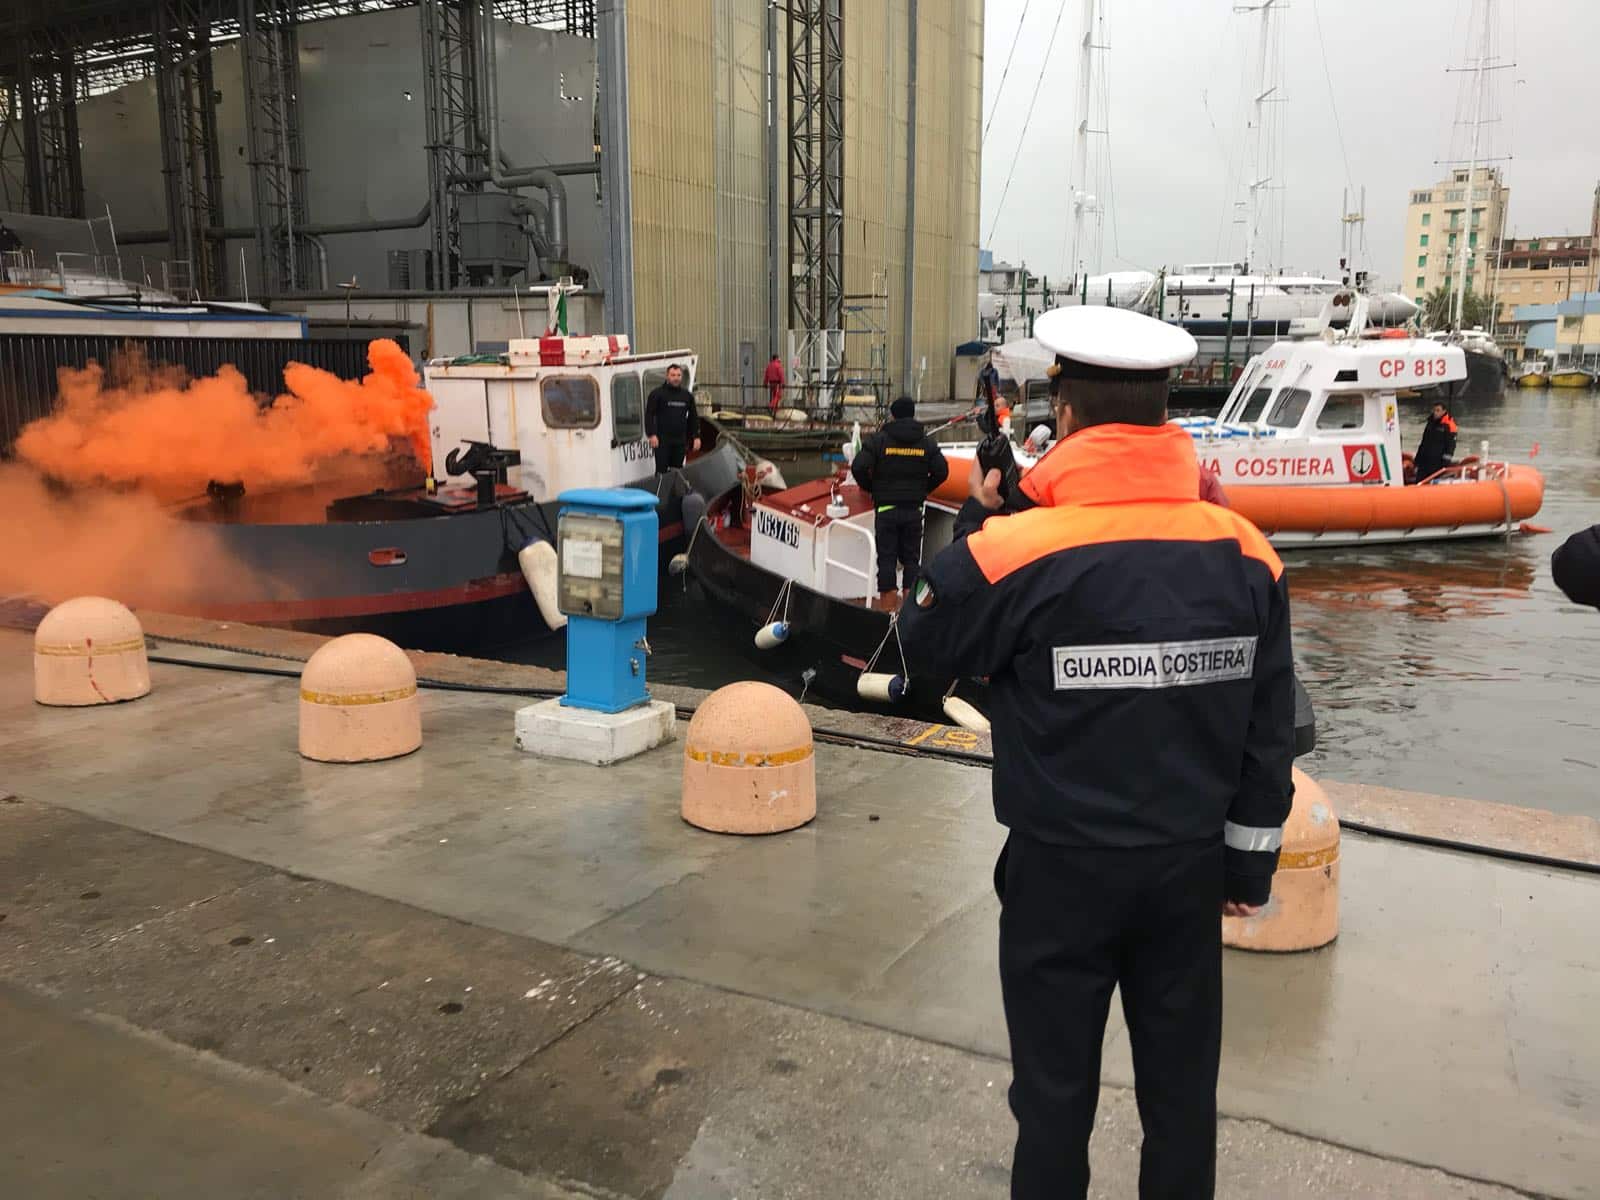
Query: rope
[[1000, 208], [1015, 38], [782, 598], [893, 632]]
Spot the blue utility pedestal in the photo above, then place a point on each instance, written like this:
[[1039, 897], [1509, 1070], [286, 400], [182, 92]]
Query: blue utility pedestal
[[606, 560], [606, 555]]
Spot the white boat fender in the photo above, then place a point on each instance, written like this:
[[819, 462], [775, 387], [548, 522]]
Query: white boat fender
[[964, 715], [772, 635], [879, 685], [677, 565], [538, 562], [768, 477]]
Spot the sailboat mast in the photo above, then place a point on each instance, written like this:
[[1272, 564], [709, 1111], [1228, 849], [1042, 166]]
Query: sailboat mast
[[1080, 149], [1479, 85], [1263, 96]]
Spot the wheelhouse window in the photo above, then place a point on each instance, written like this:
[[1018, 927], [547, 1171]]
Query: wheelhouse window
[[627, 407], [1254, 406], [1342, 411], [1289, 409], [570, 402]]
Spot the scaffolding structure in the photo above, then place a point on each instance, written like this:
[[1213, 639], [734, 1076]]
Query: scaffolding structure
[[187, 103], [866, 342], [456, 149], [270, 64], [816, 199]]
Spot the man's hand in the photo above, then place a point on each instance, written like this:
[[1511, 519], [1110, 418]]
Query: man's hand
[[1233, 908], [985, 489], [654, 441], [697, 444]]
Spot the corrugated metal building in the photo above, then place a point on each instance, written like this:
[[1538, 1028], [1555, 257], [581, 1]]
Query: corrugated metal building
[[698, 128], [698, 109]]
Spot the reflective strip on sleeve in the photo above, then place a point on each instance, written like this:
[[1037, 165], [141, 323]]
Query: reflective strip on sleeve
[[1251, 837]]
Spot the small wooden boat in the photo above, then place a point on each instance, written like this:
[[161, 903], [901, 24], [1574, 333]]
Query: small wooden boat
[[1572, 376], [1535, 373]]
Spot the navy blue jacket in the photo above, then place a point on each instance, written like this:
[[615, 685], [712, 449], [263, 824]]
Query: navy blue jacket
[[1136, 642]]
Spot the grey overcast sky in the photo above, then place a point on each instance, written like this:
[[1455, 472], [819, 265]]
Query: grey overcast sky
[[1180, 71]]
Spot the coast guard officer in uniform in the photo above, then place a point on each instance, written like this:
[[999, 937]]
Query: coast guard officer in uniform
[[1136, 640]]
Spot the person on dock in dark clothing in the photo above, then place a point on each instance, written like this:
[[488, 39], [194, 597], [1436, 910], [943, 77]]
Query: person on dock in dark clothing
[[900, 466], [1576, 567], [1438, 443], [671, 422]]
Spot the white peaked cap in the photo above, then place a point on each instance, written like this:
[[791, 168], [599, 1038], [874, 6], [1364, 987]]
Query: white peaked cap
[[1115, 339]]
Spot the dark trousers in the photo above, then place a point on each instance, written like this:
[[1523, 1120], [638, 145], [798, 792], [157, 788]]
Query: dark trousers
[[898, 530], [1074, 923], [669, 455]]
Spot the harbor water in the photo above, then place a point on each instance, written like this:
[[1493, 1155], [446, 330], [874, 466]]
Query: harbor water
[[1452, 668]]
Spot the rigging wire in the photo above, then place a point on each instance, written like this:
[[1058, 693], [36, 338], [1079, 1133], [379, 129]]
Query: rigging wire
[[1023, 137], [1338, 125], [1015, 38]]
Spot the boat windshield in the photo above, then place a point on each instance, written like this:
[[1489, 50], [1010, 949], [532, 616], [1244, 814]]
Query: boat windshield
[[1290, 408], [1343, 410], [1253, 407]]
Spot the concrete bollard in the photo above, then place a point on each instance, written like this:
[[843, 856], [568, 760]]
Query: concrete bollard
[[89, 650], [749, 762], [358, 701], [1304, 910]]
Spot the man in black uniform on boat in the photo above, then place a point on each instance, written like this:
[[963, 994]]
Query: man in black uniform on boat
[[1136, 642], [1437, 445], [670, 421], [900, 466]]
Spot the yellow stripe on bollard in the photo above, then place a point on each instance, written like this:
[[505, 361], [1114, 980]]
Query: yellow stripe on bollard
[[732, 758], [343, 698], [1304, 860], [89, 649]]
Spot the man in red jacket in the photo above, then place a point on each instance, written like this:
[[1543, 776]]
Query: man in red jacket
[[774, 381]]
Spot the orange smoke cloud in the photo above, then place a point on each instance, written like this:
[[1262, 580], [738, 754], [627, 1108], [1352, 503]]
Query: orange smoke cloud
[[55, 545], [160, 432]]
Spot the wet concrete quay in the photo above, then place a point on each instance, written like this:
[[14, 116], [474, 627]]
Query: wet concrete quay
[[469, 973]]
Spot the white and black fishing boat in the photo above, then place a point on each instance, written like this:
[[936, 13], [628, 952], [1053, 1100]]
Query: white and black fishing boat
[[794, 570], [466, 554]]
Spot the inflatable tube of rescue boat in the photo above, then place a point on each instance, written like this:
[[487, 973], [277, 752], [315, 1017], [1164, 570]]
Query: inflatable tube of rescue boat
[[1361, 509], [1357, 508]]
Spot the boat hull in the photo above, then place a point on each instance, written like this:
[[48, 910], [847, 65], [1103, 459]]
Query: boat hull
[[1533, 379], [1571, 379], [1365, 514], [425, 581], [1486, 376], [831, 640]]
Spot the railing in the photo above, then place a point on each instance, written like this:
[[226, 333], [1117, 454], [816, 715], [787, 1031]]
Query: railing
[[868, 580], [84, 274]]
